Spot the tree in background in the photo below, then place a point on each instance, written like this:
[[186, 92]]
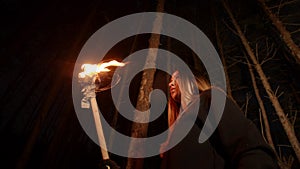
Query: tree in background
[[289, 129], [285, 35]]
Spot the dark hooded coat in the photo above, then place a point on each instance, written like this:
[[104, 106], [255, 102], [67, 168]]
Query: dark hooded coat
[[235, 144]]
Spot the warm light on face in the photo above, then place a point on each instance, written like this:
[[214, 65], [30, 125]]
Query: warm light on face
[[93, 69], [174, 88]]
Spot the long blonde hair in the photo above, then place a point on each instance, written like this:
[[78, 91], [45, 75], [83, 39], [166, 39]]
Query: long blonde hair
[[189, 87]]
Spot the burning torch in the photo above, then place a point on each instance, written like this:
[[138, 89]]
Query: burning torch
[[94, 78]]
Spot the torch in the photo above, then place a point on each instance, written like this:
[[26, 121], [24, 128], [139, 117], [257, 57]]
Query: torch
[[94, 78]]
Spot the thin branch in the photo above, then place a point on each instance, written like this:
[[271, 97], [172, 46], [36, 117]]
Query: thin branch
[[271, 48], [269, 58], [231, 29], [280, 94], [295, 117], [245, 29], [256, 52], [292, 24], [237, 60], [280, 153], [269, 51], [234, 63], [283, 145], [276, 91], [248, 97], [266, 60], [298, 30], [231, 48], [279, 8], [283, 4], [282, 17], [262, 126]]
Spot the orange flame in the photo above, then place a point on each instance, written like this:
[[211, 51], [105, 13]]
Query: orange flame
[[93, 69]]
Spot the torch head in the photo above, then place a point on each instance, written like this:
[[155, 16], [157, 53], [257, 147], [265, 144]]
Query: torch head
[[106, 80], [100, 75]]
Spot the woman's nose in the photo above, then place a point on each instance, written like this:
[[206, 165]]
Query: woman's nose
[[171, 83]]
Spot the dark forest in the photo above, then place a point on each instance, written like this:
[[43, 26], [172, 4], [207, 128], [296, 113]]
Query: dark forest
[[258, 42]]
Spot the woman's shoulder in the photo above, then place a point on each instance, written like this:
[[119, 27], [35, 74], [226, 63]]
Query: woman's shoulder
[[215, 89]]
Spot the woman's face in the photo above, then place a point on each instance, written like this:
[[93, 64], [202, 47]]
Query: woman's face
[[174, 88]]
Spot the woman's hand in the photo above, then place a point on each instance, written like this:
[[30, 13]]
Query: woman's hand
[[108, 164]]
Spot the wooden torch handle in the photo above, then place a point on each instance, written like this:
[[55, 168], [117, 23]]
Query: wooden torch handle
[[99, 129]]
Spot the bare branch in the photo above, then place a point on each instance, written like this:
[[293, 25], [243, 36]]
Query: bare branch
[[280, 154], [237, 60], [270, 58], [275, 102], [270, 50], [231, 29], [245, 29], [295, 117], [266, 60], [280, 94], [283, 4], [231, 48], [298, 30], [276, 91], [256, 52], [248, 97], [285, 34], [279, 8], [283, 16], [283, 145], [292, 24], [262, 126], [234, 63]]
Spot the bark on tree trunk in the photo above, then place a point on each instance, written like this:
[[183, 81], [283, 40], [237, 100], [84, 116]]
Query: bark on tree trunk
[[284, 34], [289, 129], [262, 107], [119, 100], [139, 130]]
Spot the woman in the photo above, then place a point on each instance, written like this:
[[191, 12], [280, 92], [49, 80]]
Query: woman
[[236, 143]]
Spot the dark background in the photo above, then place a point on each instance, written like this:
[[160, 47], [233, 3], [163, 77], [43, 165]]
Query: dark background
[[40, 42]]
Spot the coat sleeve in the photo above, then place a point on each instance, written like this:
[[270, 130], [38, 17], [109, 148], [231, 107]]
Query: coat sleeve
[[237, 139]]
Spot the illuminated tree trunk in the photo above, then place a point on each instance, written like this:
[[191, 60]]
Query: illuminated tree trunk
[[265, 117], [139, 130], [284, 34], [121, 95], [289, 129], [262, 107]]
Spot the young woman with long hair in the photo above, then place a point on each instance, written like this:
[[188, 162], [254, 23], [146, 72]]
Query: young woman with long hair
[[235, 144]]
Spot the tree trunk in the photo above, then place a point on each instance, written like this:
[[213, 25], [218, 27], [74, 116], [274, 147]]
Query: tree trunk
[[139, 130], [289, 129], [284, 34], [120, 97], [263, 110]]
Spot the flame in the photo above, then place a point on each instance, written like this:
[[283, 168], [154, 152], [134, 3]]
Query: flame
[[93, 69]]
